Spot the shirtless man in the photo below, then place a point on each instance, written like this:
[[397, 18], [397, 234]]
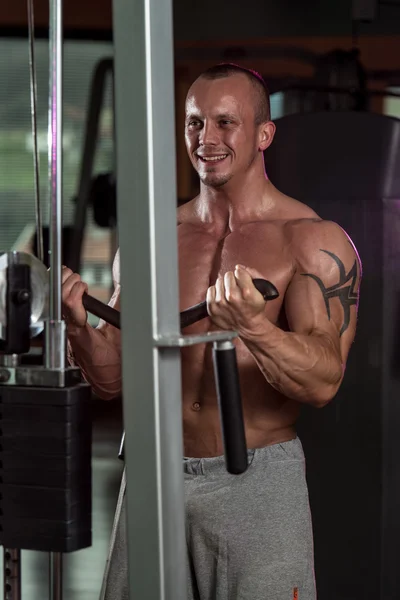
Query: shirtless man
[[249, 537]]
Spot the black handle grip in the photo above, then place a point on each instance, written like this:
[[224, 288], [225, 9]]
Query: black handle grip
[[101, 310], [230, 407], [199, 311]]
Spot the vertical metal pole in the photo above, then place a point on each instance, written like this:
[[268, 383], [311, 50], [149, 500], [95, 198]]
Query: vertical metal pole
[[55, 339], [145, 134], [55, 328], [55, 154]]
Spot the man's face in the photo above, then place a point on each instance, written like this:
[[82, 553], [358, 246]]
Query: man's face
[[220, 131]]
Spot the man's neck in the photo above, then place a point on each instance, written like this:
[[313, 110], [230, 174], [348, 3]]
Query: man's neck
[[235, 203]]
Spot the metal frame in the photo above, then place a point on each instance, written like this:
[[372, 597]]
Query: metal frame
[[55, 331], [144, 98]]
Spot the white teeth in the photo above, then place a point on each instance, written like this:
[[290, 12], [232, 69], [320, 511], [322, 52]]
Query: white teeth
[[208, 158]]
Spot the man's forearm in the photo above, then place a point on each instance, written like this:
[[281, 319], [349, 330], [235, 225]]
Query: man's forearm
[[98, 359], [306, 368]]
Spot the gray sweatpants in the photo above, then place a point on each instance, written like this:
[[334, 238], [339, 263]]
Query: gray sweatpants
[[249, 537]]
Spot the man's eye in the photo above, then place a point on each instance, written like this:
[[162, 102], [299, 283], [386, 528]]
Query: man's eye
[[193, 123], [226, 122]]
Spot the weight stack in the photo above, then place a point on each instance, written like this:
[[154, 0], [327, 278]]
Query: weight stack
[[45, 468]]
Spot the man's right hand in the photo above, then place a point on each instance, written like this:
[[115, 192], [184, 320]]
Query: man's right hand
[[72, 291]]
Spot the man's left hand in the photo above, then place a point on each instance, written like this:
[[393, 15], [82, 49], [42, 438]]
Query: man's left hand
[[234, 303]]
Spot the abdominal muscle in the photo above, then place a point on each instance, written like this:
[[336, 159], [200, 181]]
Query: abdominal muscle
[[269, 417]]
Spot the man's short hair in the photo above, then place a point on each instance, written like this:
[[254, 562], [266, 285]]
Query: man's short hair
[[262, 107]]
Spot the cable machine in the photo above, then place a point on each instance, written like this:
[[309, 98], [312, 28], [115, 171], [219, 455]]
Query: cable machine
[[45, 467]]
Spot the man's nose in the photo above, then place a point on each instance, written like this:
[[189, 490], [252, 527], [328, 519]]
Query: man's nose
[[208, 134]]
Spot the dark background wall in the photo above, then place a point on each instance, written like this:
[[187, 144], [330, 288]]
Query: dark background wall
[[218, 19]]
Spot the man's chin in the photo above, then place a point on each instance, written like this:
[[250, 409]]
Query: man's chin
[[215, 181]]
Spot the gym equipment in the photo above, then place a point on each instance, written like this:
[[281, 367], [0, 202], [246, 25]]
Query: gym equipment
[[45, 445], [150, 353], [327, 161], [45, 437], [38, 294]]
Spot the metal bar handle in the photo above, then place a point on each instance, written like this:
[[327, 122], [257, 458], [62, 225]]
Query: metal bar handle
[[101, 310], [187, 317]]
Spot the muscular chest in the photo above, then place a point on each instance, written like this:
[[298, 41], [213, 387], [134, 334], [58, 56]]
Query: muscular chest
[[203, 257]]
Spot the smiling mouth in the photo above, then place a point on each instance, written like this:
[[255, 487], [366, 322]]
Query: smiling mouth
[[213, 159]]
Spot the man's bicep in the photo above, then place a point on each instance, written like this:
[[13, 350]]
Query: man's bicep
[[322, 297]]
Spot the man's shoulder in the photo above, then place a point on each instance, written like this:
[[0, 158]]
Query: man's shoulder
[[312, 228], [309, 237], [186, 212]]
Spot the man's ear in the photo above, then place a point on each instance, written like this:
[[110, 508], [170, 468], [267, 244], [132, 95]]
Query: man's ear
[[266, 135]]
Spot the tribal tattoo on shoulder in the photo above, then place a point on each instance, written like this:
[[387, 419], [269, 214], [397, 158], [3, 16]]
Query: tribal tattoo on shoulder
[[347, 294]]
